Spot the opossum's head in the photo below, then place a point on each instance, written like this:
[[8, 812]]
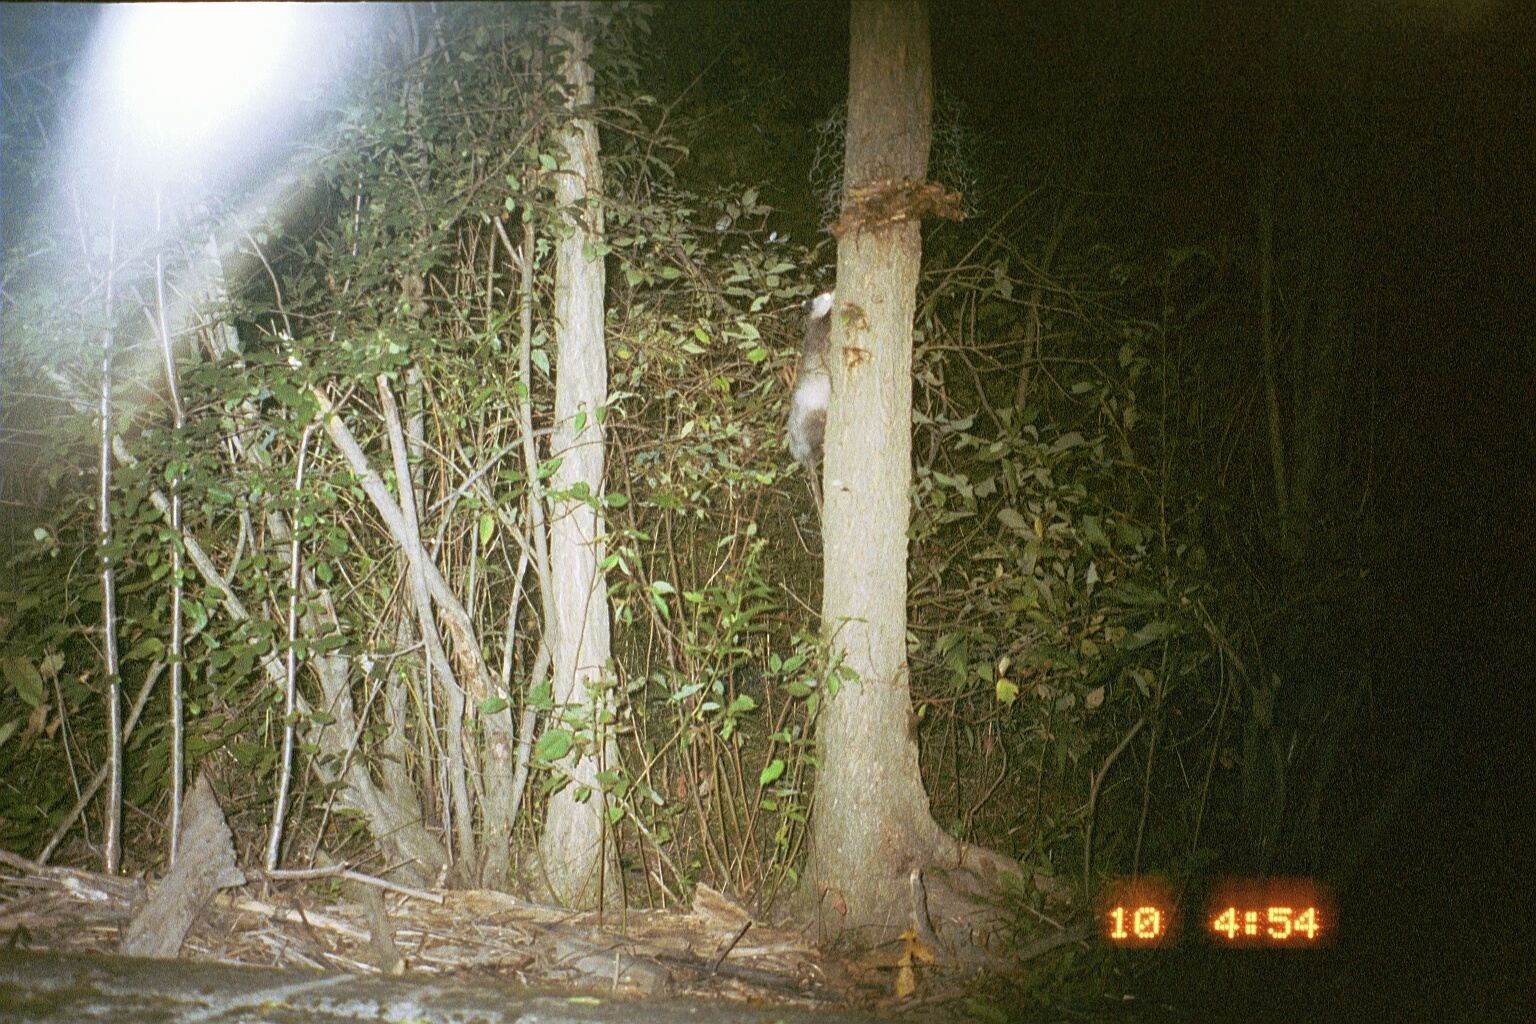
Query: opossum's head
[[820, 306], [818, 334]]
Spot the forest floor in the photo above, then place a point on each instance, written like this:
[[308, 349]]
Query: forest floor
[[714, 951]]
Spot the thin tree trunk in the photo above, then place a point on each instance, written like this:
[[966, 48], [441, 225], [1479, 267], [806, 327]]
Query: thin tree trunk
[[290, 676], [113, 839], [178, 423], [576, 859], [524, 259]]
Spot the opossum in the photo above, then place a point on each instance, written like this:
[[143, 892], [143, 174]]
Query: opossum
[[807, 426]]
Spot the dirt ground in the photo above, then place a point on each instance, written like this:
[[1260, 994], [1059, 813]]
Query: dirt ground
[[714, 951]]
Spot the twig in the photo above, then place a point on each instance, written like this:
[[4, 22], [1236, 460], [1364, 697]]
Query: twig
[[714, 965], [353, 876], [1093, 797], [311, 920]]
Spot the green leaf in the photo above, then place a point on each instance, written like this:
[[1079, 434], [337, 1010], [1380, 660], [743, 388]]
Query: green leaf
[[1015, 522], [555, 744], [148, 647], [1093, 532], [492, 705], [24, 679], [487, 528], [1149, 634], [774, 770], [286, 393], [1007, 692], [1071, 439]]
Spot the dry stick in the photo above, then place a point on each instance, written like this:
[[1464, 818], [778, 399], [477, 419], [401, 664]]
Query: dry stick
[[155, 669], [1221, 722], [1034, 337], [1146, 796], [1093, 798], [210, 572], [639, 824], [970, 815], [354, 876], [65, 732], [714, 965], [307, 919], [530, 714], [346, 760], [437, 656]]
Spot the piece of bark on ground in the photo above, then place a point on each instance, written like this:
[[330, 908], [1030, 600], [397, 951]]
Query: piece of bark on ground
[[205, 863]]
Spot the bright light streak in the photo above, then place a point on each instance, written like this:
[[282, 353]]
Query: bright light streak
[[188, 68], [185, 84]]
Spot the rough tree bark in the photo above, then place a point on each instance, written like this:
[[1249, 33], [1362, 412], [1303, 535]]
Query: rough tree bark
[[575, 858], [875, 849]]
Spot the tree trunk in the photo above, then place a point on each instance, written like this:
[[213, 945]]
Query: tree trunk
[[576, 859], [872, 836]]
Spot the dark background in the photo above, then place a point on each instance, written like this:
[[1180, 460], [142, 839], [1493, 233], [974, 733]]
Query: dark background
[[1429, 109]]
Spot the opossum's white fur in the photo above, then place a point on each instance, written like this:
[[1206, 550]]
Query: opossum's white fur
[[813, 388], [808, 418]]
